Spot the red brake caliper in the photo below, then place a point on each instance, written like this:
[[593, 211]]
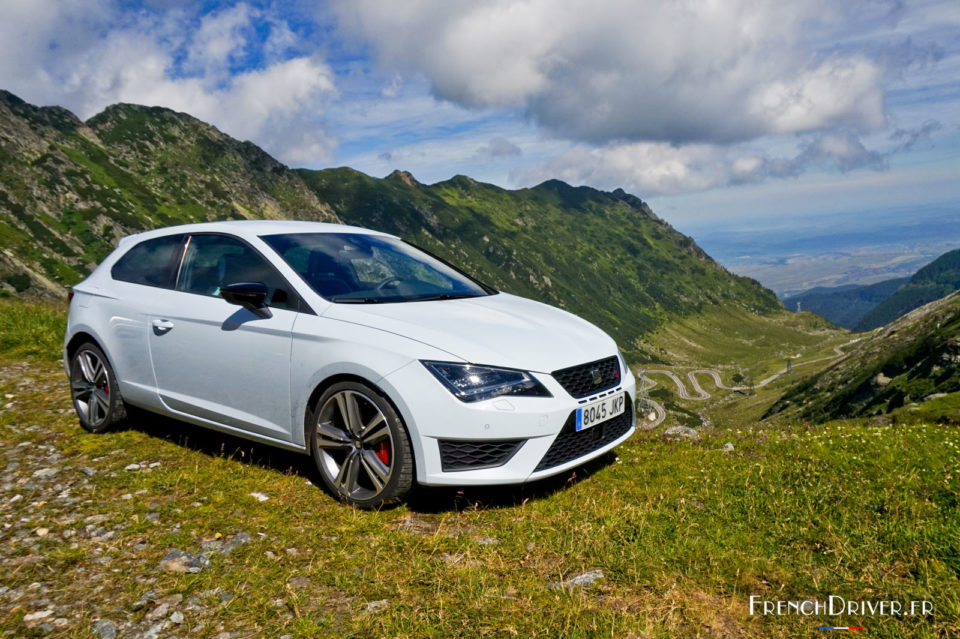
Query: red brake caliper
[[383, 452]]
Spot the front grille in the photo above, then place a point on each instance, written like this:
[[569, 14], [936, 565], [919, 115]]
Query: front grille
[[476, 454], [580, 380], [571, 444]]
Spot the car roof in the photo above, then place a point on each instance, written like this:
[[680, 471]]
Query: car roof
[[252, 228]]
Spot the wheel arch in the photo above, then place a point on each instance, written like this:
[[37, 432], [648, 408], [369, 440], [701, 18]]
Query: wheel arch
[[79, 338], [326, 383]]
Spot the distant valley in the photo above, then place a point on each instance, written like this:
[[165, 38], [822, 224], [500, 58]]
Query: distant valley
[[865, 307], [791, 255]]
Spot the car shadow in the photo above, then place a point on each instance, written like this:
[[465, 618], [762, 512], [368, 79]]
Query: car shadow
[[433, 500], [214, 443], [423, 500]]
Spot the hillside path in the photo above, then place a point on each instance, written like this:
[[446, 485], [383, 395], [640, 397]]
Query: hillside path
[[699, 394]]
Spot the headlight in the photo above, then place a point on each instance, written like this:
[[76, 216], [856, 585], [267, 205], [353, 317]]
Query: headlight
[[470, 383]]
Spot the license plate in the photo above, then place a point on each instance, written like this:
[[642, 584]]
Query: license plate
[[601, 411]]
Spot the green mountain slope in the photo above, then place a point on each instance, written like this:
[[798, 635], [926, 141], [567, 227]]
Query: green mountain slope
[[70, 189], [912, 358], [844, 305], [938, 278], [604, 256]]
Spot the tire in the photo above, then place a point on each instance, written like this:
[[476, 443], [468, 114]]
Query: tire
[[94, 390], [360, 446]]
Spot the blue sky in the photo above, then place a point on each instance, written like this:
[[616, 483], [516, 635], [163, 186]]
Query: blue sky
[[714, 112]]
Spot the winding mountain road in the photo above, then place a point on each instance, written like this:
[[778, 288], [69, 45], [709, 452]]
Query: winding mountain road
[[699, 394]]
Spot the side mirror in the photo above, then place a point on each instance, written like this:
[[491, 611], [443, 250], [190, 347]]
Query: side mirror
[[250, 295]]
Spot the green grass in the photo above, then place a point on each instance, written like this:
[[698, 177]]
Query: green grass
[[31, 330], [731, 339], [683, 532]]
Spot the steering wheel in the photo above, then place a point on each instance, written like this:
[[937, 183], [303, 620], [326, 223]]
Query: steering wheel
[[389, 280]]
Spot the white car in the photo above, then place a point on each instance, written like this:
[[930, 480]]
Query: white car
[[385, 364]]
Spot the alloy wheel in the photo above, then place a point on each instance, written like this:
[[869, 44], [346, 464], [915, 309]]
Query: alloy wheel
[[355, 444], [90, 385]]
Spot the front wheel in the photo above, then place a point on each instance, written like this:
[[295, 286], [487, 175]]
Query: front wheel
[[360, 446], [94, 389]]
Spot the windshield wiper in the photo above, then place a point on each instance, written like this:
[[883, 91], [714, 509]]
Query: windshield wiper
[[355, 300], [443, 296]]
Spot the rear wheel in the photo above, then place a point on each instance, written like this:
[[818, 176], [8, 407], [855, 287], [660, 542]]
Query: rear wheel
[[360, 446], [93, 386]]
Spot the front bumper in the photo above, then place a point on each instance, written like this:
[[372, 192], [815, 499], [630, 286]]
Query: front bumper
[[540, 428]]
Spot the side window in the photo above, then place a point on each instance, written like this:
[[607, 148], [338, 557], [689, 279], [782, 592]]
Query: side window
[[213, 261], [150, 262]]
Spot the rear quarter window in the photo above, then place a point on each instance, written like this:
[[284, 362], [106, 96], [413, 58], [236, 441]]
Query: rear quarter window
[[150, 262]]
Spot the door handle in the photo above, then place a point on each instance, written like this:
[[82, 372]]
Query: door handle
[[161, 326]]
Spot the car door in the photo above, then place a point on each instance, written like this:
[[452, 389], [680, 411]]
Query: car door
[[218, 361], [124, 308]]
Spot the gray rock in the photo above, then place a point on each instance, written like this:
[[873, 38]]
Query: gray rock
[[154, 631], [300, 583], [486, 541], [158, 612], [145, 598], [44, 472], [728, 447], [584, 580], [89, 472], [235, 542], [183, 562], [376, 606], [177, 617], [224, 596], [681, 432], [132, 467]]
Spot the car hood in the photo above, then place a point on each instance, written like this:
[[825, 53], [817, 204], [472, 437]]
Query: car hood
[[498, 330]]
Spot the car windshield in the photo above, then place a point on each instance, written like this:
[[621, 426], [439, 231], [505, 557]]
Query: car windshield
[[357, 268]]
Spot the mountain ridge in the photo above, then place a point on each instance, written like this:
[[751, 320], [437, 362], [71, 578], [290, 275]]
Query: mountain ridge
[[69, 189], [933, 281], [914, 358]]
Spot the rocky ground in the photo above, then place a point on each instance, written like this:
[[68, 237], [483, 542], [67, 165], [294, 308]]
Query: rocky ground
[[99, 538], [58, 531], [166, 530]]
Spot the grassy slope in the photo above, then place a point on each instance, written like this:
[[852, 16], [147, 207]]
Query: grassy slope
[[906, 361], [603, 256], [684, 533], [844, 305], [935, 280], [70, 189]]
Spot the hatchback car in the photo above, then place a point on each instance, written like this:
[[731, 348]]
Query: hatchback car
[[383, 362]]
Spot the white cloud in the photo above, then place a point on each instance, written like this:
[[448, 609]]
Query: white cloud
[[87, 59], [219, 39], [640, 167], [631, 70], [498, 147], [660, 168]]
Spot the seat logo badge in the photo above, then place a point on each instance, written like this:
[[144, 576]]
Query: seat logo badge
[[597, 377]]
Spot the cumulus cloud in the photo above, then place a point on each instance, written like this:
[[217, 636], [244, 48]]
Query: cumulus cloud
[[498, 147], [631, 70], [643, 167], [659, 168], [89, 55]]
